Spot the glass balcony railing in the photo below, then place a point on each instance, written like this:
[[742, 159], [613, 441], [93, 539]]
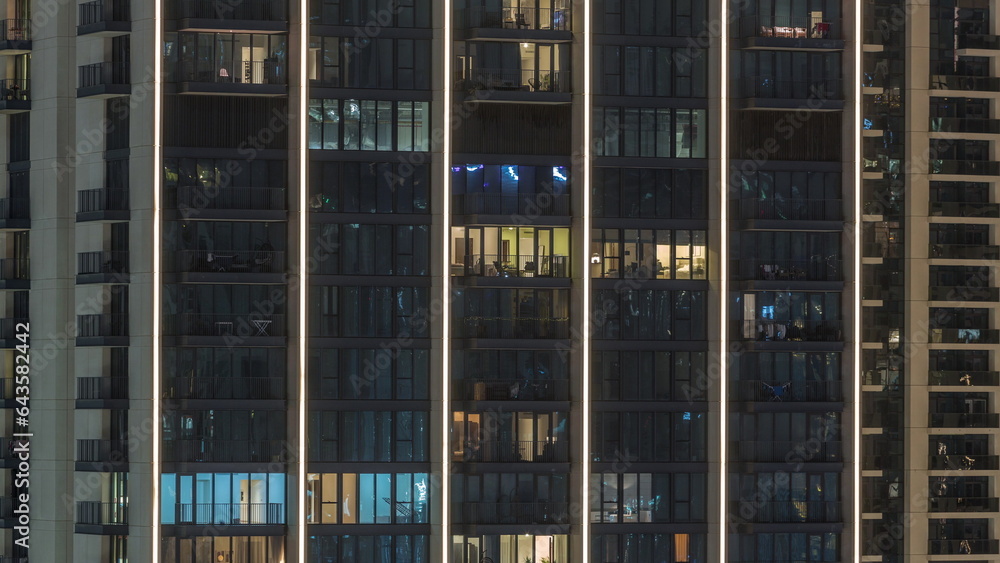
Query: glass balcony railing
[[768, 330], [246, 261], [963, 378], [102, 325], [102, 513], [513, 451], [789, 391], [223, 451], [781, 512], [512, 327], [978, 41], [964, 336], [964, 167], [14, 269], [247, 325], [790, 27], [15, 30], [817, 268], [511, 266], [973, 83], [512, 390], [525, 17], [259, 10], [15, 89], [964, 504], [964, 420], [538, 512], [959, 209], [963, 547], [962, 462], [499, 79], [963, 293], [964, 125], [101, 11], [766, 87], [786, 451], [224, 388], [788, 209], [236, 72], [965, 251]]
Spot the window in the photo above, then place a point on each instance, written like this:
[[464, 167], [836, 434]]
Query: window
[[650, 132], [385, 373], [377, 549], [369, 187], [367, 498], [648, 314], [382, 250], [222, 498], [649, 436], [397, 436], [682, 18], [650, 71], [370, 62], [649, 254], [648, 497], [369, 125], [369, 311], [384, 13]]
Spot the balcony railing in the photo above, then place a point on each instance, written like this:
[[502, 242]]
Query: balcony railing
[[963, 547], [102, 450], [223, 451], [191, 199], [236, 513], [961, 462], [762, 87], [816, 268], [514, 390], [225, 388], [508, 327], [513, 266], [965, 167], [789, 27], [515, 513], [763, 330], [816, 511], [248, 325], [102, 388], [260, 10], [104, 74], [791, 209], [102, 262], [964, 504], [963, 378], [99, 11], [239, 72], [516, 18], [14, 208], [529, 205], [495, 451], [102, 325], [102, 513], [973, 83], [8, 327], [876, 504], [963, 293], [964, 420], [965, 251], [964, 336], [964, 125], [815, 450], [978, 41], [102, 199], [957, 209], [14, 269], [15, 30], [248, 261], [789, 391], [499, 79], [15, 89]]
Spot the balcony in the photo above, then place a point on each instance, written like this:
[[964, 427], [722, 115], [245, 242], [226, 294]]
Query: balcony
[[814, 269], [513, 513], [790, 391], [105, 329], [198, 202], [514, 19], [105, 18], [964, 336], [961, 462], [223, 451], [964, 420], [102, 392], [242, 16], [790, 210], [9, 331], [512, 266], [977, 41], [964, 83], [964, 167], [513, 85], [231, 261], [881, 505], [15, 214], [815, 451], [520, 451], [15, 95], [102, 267], [964, 125], [512, 390], [95, 517], [963, 547], [102, 204], [959, 209], [248, 78], [965, 251], [235, 513], [785, 512], [764, 92], [964, 504], [15, 36], [963, 293], [15, 273], [964, 378], [240, 327], [791, 33], [512, 327], [527, 205], [104, 80], [766, 330], [102, 455], [240, 388]]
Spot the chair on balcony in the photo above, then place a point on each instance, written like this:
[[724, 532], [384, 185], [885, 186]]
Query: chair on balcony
[[521, 21]]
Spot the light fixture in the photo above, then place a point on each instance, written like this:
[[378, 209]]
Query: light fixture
[[595, 259]]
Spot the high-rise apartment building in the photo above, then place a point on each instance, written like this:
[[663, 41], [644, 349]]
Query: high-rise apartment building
[[508, 281]]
